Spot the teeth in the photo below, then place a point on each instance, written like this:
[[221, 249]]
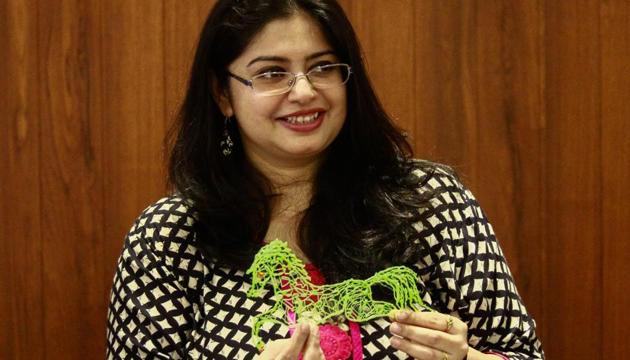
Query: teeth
[[302, 119]]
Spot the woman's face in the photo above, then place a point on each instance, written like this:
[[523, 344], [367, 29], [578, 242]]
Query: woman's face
[[296, 127]]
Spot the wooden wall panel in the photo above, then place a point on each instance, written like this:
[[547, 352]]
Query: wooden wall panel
[[480, 108], [441, 133], [21, 296], [487, 77], [615, 162], [182, 21], [389, 63], [523, 115], [573, 175], [133, 96], [71, 177]]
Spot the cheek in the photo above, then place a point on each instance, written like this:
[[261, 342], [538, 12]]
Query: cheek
[[340, 103], [249, 107]]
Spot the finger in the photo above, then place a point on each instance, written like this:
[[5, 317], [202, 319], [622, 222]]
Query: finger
[[312, 349], [297, 342], [430, 338], [431, 320], [417, 351], [273, 348]]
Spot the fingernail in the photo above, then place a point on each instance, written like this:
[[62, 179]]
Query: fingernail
[[303, 327], [403, 315], [394, 341], [395, 328]]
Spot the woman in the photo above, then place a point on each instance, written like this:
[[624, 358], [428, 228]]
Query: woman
[[281, 136]]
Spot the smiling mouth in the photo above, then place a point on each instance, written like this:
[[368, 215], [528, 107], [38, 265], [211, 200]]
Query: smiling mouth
[[302, 119]]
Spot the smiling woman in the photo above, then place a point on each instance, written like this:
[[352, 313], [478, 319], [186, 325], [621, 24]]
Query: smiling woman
[[281, 136]]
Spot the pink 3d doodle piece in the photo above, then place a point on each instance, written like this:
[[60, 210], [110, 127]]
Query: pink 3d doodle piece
[[335, 343], [297, 298]]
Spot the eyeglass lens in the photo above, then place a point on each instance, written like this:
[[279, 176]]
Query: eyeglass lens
[[321, 77]]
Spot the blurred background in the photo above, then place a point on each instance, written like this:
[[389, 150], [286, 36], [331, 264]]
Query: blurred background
[[527, 99]]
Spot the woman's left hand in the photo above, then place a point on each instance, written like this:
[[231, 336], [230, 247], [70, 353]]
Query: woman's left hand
[[429, 335]]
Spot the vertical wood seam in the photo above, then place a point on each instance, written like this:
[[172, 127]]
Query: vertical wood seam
[[414, 89], [101, 135], [166, 116], [600, 170], [40, 134], [542, 98]]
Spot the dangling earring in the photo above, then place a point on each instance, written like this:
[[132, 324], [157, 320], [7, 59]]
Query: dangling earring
[[226, 143]]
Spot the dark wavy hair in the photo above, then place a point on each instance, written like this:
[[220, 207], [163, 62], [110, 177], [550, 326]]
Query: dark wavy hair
[[364, 194]]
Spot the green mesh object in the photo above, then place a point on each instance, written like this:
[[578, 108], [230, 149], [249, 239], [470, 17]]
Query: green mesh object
[[276, 265]]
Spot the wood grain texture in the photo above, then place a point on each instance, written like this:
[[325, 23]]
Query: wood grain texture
[[133, 96], [486, 60], [182, 23], [615, 162], [71, 176], [441, 133], [389, 63], [21, 296], [523, 114], [480, 108], [573, 175]]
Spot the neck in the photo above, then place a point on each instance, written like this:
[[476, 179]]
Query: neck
[[291, 181], [286, 174], [292, 185]]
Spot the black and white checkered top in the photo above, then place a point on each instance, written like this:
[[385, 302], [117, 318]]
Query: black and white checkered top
[[168, 301]]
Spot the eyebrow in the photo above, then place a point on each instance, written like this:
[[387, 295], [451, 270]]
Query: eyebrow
[[283, 59]]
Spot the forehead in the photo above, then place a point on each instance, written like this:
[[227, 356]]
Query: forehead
[[294, 37]]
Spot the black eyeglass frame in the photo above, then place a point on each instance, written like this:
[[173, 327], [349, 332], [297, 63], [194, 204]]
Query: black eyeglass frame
[[250, 82]]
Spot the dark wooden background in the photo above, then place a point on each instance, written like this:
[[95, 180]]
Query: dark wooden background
[[527, 99]]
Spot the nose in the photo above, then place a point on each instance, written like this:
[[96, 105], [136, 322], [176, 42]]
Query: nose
[[302, 89]]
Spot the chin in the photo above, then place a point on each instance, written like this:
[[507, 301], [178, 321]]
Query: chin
[[302, 153]]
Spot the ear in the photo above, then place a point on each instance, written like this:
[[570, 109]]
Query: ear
[[222, 98]]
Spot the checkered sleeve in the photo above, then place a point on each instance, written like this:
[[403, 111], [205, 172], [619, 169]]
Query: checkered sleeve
[[150, 312], [467, 275]]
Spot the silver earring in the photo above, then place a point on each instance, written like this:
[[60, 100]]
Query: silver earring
[[226, 143]]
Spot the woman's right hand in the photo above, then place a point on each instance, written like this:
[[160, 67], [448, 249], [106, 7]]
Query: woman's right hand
[[304, 340]]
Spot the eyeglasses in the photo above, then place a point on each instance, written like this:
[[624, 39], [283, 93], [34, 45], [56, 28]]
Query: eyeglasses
[[279, 82]]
